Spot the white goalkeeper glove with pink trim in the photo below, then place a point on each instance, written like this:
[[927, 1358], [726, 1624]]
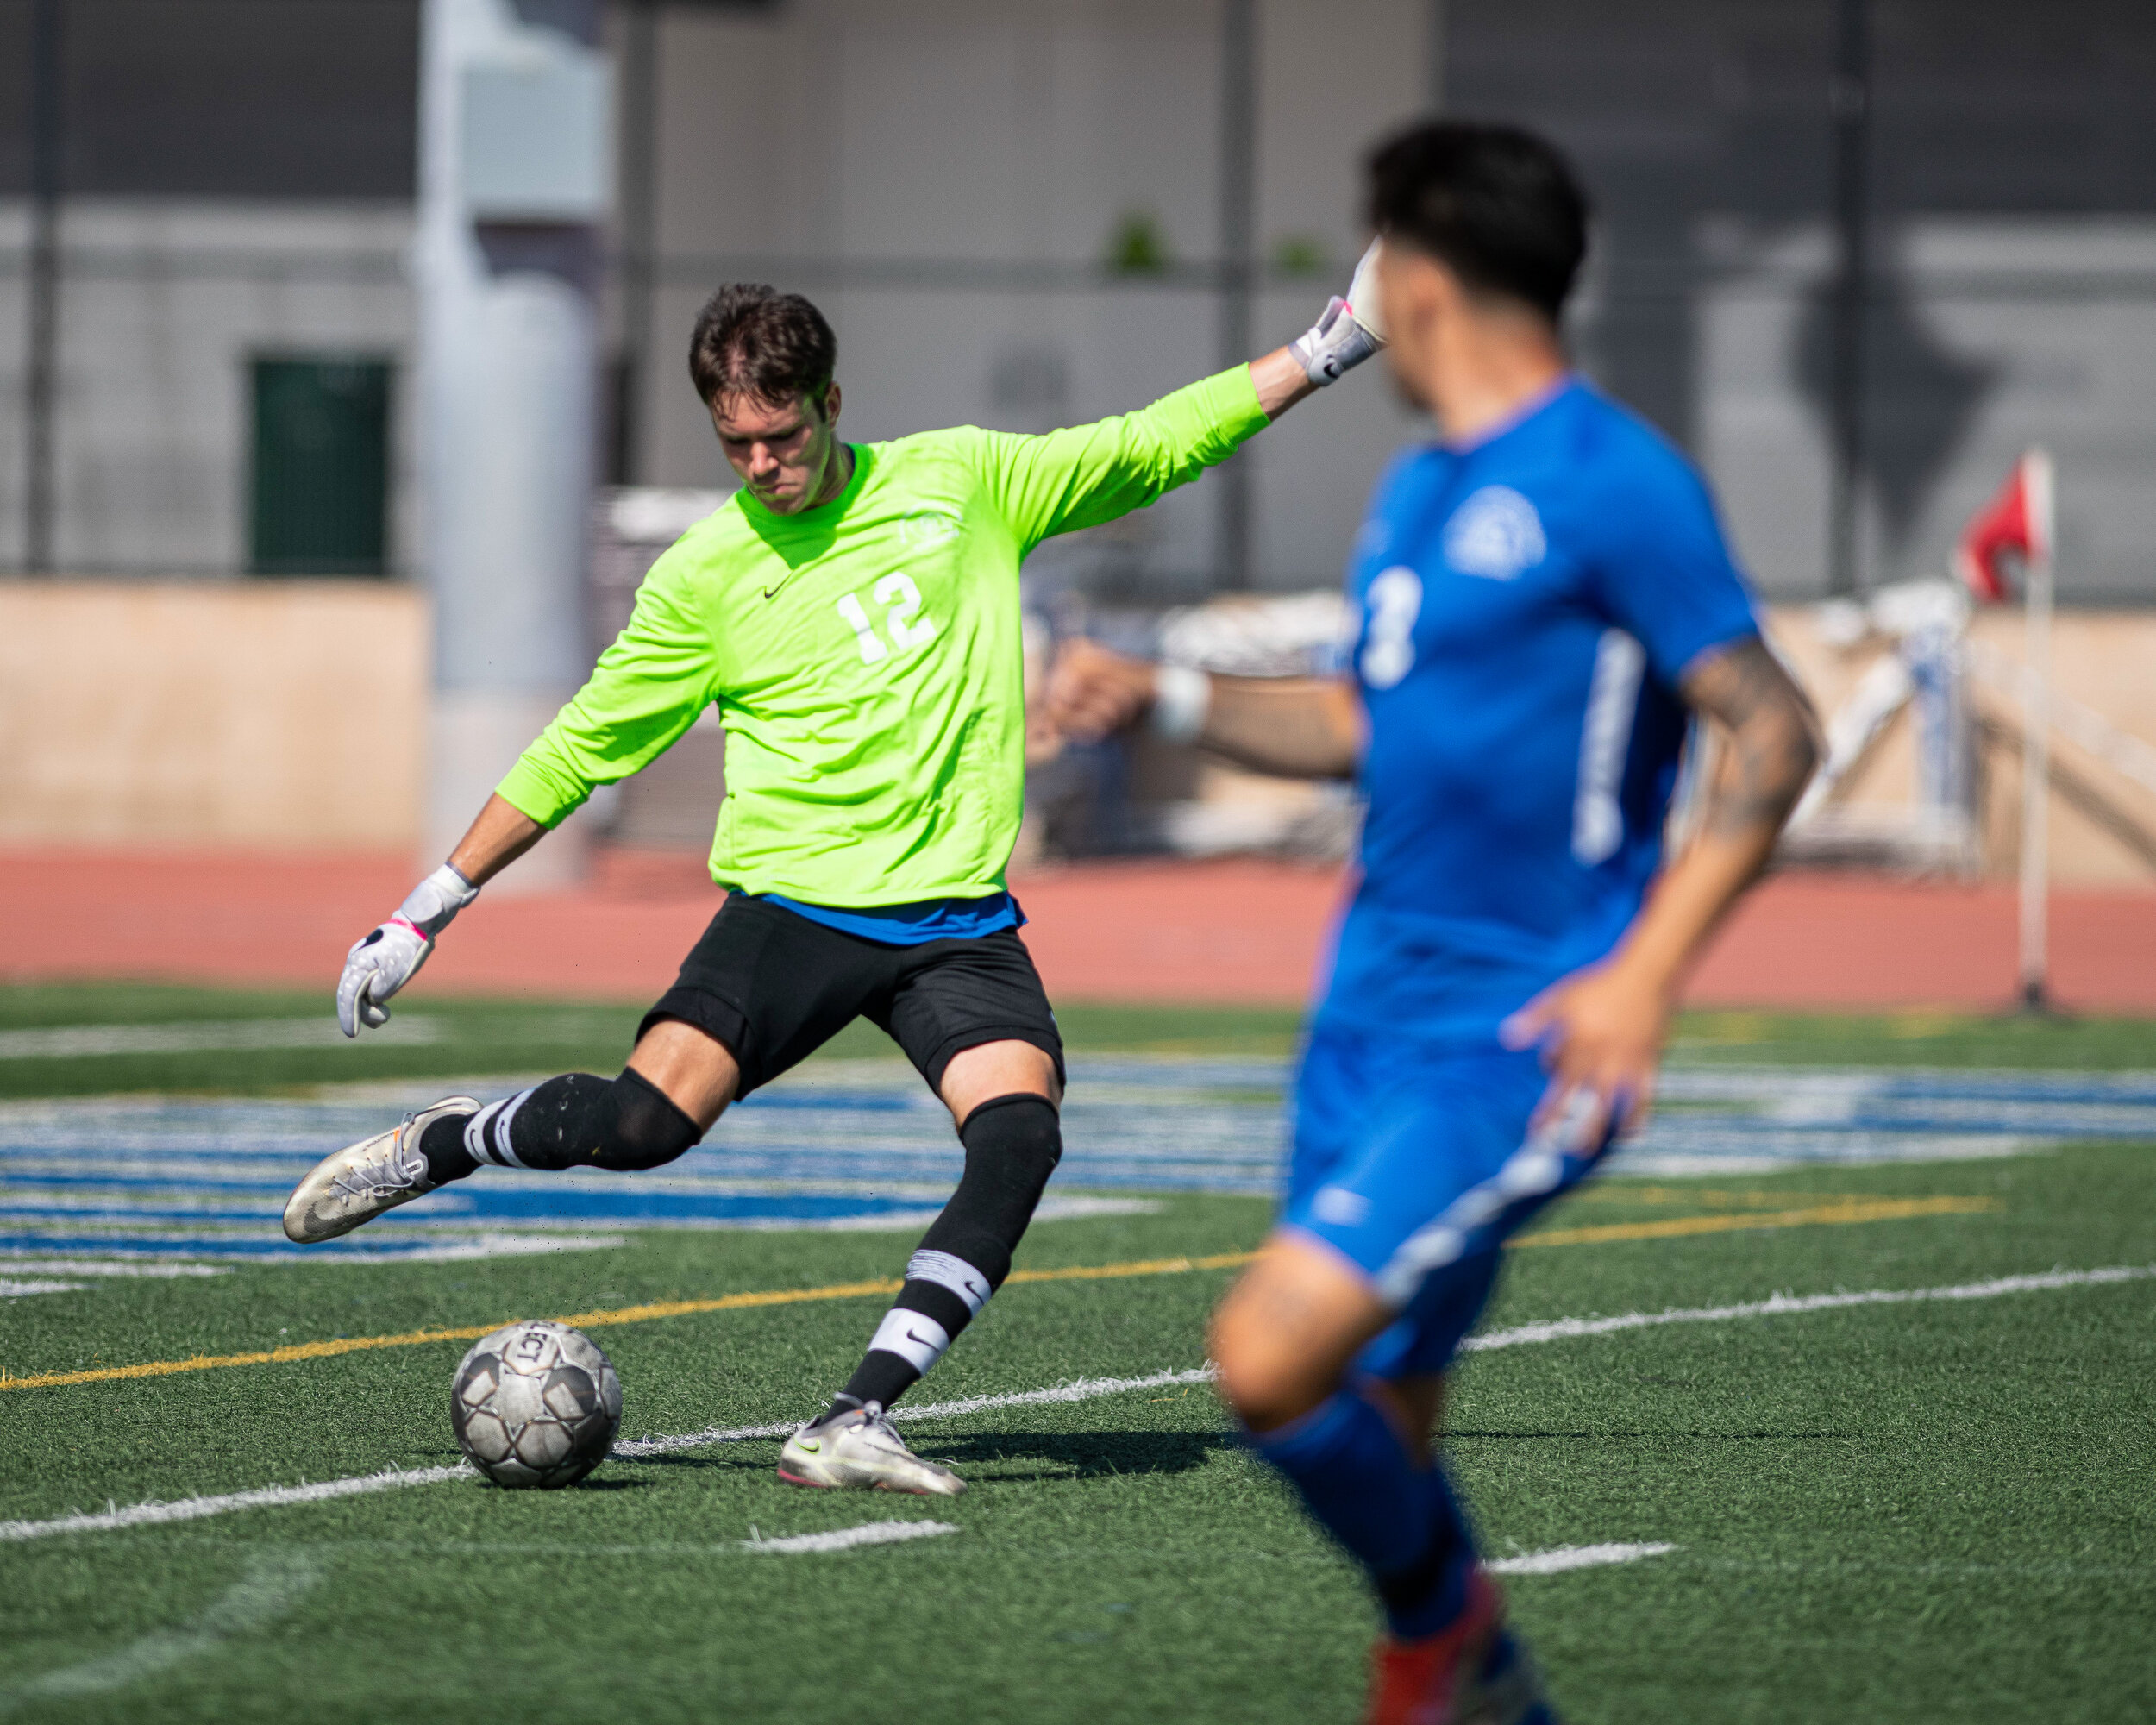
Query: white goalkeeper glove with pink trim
[[390, 956], [1351, 330]]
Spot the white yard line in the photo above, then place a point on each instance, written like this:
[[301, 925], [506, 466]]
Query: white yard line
[[68, 1042], [105, 1266], [273, 1584], [195, 1509], [1565, 1558], [845, 1538], [1083, 1389], [11, 1289], [1787, 1304]]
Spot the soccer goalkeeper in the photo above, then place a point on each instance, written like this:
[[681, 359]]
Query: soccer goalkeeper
[[852, 612]]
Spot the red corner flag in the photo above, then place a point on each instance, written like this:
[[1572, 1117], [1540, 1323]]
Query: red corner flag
[[2017, 523]]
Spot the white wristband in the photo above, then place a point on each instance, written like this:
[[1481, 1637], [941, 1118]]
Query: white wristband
[[436, 900], [1182, 699]]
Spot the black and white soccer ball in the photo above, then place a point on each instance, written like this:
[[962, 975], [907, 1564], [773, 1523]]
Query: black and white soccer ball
[[535, 1404]]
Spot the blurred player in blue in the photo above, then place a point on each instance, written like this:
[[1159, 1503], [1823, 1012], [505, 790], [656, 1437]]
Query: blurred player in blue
[[1544, 603]]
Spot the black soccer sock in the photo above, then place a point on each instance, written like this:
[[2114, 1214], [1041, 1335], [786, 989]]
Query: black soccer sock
[[442, 1145], [1012, 1144], [576, 1120]]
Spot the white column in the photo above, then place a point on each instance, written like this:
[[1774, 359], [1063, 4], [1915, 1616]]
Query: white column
[[515, 174], [2036, 737]]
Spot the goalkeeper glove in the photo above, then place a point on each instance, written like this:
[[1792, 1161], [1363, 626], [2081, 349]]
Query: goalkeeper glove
[[390, 956], [1350, 332]]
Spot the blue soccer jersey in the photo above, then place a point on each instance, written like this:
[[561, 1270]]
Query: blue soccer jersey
[[1526, 607]]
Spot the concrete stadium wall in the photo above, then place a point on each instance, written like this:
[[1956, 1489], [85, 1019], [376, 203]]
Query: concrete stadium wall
[[285, 716], [290, 716]]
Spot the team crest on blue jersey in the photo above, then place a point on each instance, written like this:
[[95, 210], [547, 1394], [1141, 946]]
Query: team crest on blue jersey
[[1495, 534]]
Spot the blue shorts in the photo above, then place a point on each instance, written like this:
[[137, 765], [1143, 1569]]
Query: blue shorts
[[1415, 1164]]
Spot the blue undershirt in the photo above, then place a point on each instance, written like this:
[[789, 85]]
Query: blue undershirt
[[914, 925]]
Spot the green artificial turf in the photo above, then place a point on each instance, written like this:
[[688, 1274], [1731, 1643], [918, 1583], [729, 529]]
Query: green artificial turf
[[463, 1037], [1943, 1511], [2016, 1040], [467, 1035]]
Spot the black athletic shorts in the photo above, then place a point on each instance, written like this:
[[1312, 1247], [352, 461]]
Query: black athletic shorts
[[774, 987]]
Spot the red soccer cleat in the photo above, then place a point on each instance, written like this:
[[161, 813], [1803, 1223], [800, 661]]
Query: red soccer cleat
[[1439, 1680]]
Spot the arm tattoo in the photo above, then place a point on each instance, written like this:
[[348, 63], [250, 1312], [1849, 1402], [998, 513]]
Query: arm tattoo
[[1772, 744]]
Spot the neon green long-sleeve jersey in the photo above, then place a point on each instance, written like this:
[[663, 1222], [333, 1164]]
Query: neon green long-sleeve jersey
[[864, 655]]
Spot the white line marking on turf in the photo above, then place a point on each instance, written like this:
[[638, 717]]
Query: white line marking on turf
[[263, 1497], [68, 1042], [1785, 1305], [274, 1582], [845, 1538], [1565, 1558], [12, 1289], [99, 1266], [1083, 1389], [1052, 1209]]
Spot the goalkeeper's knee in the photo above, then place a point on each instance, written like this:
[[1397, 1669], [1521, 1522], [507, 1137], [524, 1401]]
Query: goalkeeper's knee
[[648, 1128], [1012, 1144], [579, 1120]]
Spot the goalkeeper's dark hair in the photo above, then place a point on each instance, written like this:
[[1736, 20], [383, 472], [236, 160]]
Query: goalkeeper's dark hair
[[1497, 206], [752, 340]]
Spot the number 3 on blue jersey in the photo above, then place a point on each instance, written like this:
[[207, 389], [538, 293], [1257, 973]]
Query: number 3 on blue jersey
[[1394, 601]]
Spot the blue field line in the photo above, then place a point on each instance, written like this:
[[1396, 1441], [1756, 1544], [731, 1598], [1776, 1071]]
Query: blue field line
[[1930, 1084], [1673, 1126], [167, 1177], [270, 1247]]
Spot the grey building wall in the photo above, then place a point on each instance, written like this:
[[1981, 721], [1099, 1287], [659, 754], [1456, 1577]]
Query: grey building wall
[[945, 176], [239, 177], [2013, 175], [306, 99], [166, 303]]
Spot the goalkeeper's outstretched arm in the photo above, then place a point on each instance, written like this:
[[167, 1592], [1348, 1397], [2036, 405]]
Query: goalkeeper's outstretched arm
[[1345, 335], [1084, 475], [1348, 333], [501, 834]]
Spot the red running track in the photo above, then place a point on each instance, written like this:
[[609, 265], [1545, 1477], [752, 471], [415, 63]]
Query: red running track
[[1238, 931]]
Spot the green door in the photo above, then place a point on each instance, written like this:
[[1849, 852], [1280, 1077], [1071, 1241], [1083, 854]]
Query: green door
[[321, 500]]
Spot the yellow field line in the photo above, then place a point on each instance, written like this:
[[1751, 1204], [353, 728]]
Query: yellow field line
[[1842, 1210], [1624, 1192], [1852, 1210], [1154, 1266], [588, 1321]]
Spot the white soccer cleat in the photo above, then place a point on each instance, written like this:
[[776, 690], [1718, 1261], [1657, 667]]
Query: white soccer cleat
[[362, 1180], [860, 1450]]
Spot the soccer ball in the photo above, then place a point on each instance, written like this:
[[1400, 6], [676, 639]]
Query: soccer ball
[[536, 1403]]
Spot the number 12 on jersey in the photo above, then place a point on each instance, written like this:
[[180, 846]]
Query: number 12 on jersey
[[901, 601]]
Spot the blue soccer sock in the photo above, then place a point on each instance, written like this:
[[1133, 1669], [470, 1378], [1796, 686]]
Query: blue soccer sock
[[1400, 1520]]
